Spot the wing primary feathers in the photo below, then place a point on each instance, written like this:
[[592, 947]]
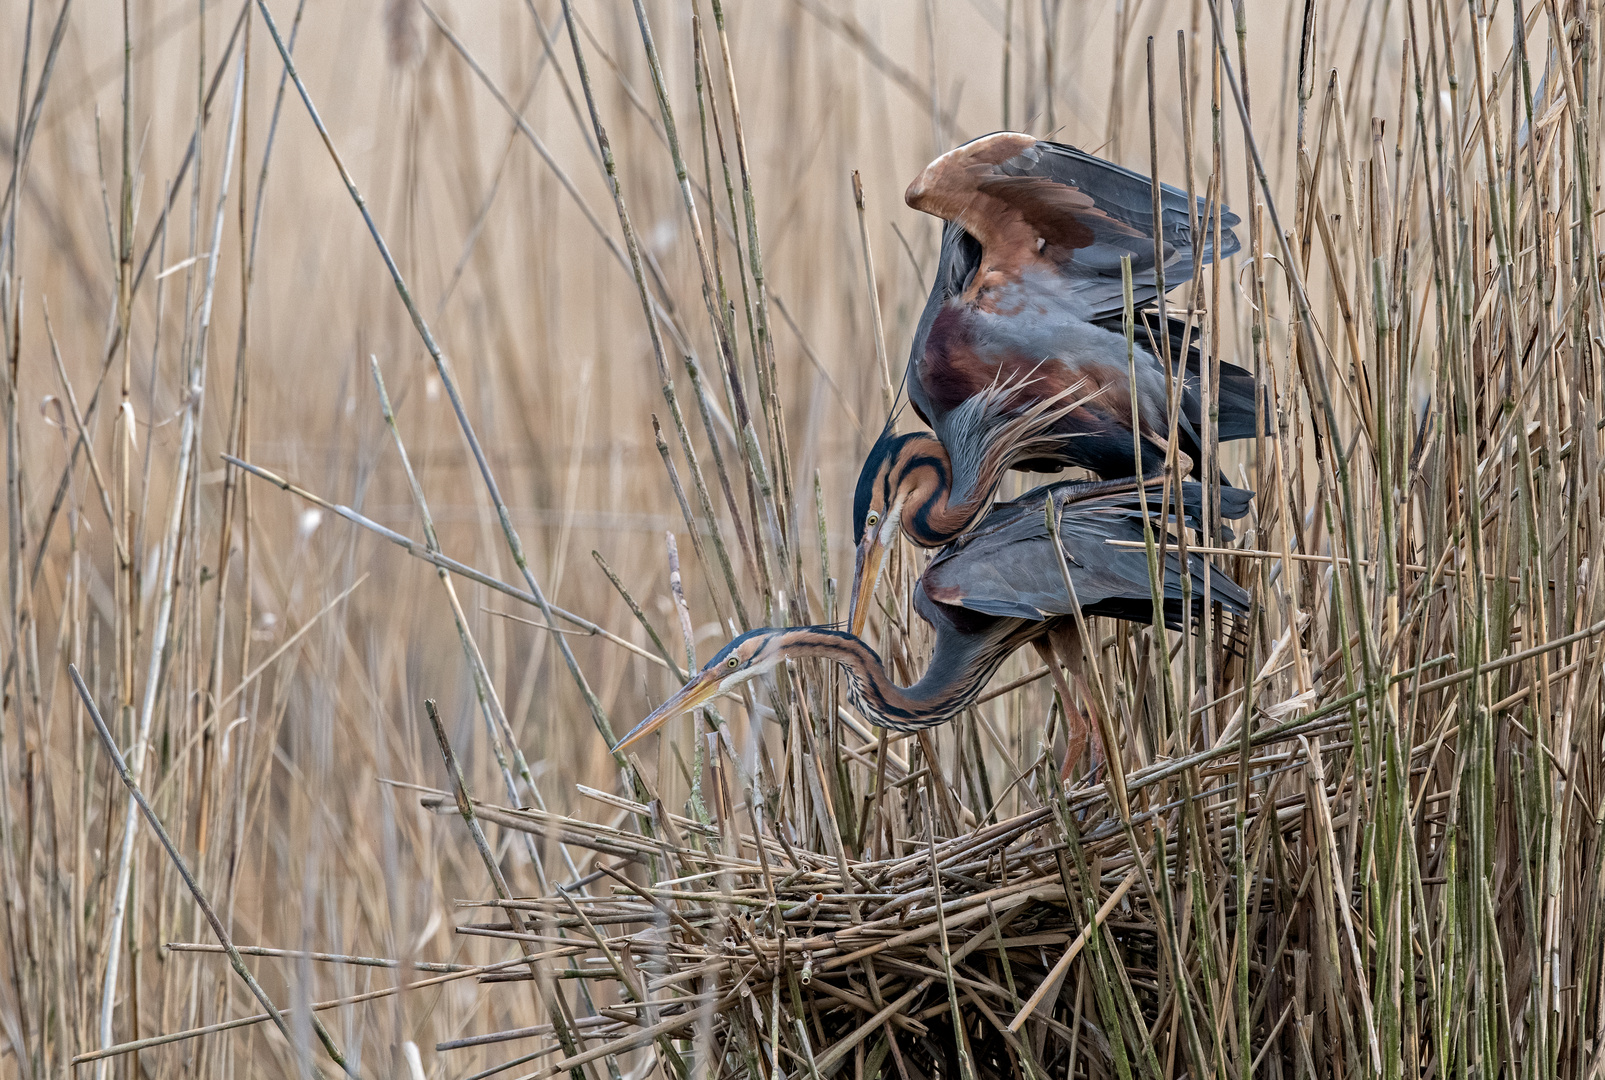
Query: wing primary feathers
[[1008, 566]]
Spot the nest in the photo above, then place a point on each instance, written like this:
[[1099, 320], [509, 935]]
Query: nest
[[952, 957]]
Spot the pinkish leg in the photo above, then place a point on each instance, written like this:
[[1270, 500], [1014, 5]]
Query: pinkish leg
[[1065, 640], [1077, 728], [1100, 752]]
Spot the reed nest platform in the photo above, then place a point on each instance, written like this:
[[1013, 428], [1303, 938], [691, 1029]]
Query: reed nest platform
[[953, 952]]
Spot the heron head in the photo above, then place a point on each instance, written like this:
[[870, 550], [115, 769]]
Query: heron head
[[748, 656], [896, 474]]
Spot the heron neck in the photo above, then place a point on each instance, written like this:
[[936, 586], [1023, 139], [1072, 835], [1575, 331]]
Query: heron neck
[[953, 504], [957, 671]]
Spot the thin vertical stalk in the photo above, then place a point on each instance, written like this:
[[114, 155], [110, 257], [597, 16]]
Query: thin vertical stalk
[[195, 392]]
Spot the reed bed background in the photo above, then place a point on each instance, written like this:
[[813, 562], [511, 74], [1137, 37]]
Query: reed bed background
[[259, 331]]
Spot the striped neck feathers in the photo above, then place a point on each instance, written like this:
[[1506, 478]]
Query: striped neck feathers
[[959, 667], [918, 479], [942, 487]]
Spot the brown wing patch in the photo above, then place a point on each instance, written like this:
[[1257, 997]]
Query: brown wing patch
[[947, 186], [951, 188], [953, 372], [1061, 215], [1019, 218]]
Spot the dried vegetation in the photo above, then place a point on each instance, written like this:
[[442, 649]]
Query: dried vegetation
[[620, 295]]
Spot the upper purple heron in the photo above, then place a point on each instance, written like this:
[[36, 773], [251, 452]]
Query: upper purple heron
[[1020, 358]]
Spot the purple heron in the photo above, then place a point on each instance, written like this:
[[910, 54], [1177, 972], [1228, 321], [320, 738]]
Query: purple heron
[[999, 587], [1020, 359]]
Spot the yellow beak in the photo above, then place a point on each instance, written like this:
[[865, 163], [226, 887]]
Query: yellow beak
[[703, 686], [867, 570]]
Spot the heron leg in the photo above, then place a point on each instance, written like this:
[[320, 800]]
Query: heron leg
[[1065, 640], [1077, 727], [1100, 752]]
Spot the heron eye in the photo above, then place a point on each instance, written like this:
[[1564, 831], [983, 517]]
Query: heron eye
[[873, 519], [733, 663]]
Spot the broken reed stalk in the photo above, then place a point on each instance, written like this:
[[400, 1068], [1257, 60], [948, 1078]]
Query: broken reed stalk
[[877, 333]]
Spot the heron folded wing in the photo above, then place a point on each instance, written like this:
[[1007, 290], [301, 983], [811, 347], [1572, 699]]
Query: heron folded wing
[[1127, 196], [1012, 570], [1009, 567], [1078, 235], [993, 584]]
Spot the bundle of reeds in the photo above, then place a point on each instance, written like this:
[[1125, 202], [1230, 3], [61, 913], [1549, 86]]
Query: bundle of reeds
[[950, 954]]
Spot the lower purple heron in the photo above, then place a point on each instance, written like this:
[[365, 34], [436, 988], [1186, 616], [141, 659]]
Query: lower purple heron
[[998, 588]]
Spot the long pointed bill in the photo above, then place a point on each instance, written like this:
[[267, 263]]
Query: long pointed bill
[[702, 687], [867, 570]]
